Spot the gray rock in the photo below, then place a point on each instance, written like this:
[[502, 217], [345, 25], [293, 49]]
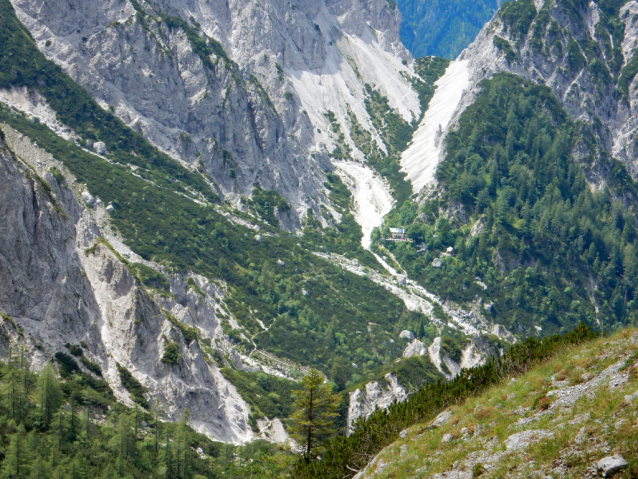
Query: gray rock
[[409, 335], [88, 199], [446, 438], [402, 279], [416, 348], [110, 209], [437, 263], [258, 238], [440, 420], [280, 263], [403, 434], [99, 147], [631, 397], [521, 440], [611, 464]]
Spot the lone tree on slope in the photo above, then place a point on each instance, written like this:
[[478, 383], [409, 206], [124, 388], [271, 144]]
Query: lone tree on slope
[[315, 410]]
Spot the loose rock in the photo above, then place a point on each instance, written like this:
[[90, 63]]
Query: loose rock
[[611, 464]]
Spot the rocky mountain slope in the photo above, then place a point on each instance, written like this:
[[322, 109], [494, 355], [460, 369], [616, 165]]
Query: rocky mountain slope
[[239, 90], [183, 289], [572, 417], [69, 285]]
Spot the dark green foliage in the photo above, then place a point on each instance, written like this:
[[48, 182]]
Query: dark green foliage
[[203, 46], [74, 349], [190, 334], [518, 16], [414, 372], [58, 176], [442, 28], [265, 201], [505, 47], [343, 454], [91, 366], [171, 354], [339, 193], [151, 278], [193, 285], [268, 396], [133, 386], [68, 366], [575, 58], [48, 430], [544, 231]]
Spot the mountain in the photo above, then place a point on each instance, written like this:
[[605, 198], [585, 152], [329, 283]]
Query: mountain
[[137, 243], [200, 194], [442, 28]]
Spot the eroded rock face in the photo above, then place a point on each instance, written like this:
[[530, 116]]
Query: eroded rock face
[[68, 287], [250, 112], [375, 395]]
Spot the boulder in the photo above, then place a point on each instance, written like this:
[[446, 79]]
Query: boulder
[[280, 263], [88, 199], [409, 335], [611, 464], [99, 147], [437, 263], [258, 238], [416, 348], [402, 279], [403, 434], [110, 209], [440, 420]]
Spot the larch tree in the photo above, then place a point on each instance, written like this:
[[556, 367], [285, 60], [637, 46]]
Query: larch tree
[[315, 410]]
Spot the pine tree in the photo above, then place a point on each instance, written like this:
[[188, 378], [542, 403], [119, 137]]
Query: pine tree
[[15, 457], [315, 410], [49, 395], [40, 470]]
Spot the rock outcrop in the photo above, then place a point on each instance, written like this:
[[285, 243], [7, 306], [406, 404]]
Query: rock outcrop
[[375, 396], [70, 285]]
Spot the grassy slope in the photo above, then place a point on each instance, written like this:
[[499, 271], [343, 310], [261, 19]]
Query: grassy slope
[[594, 427]]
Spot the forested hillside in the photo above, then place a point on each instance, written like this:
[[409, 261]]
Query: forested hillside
[[442, 28]]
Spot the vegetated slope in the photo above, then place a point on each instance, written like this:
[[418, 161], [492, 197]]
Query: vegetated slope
[[442, 28], [285, 299], [550, 251], [561, 418], [52, 427], [345, 456], [532, 195]]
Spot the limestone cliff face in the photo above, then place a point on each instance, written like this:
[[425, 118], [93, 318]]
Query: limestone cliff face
[[232, 87], [586, 63], [65, 285]]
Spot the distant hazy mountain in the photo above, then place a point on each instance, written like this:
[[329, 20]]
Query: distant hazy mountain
[[442, 28]]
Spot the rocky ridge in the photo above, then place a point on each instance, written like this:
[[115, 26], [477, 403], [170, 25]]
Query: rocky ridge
[[71, 285]]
